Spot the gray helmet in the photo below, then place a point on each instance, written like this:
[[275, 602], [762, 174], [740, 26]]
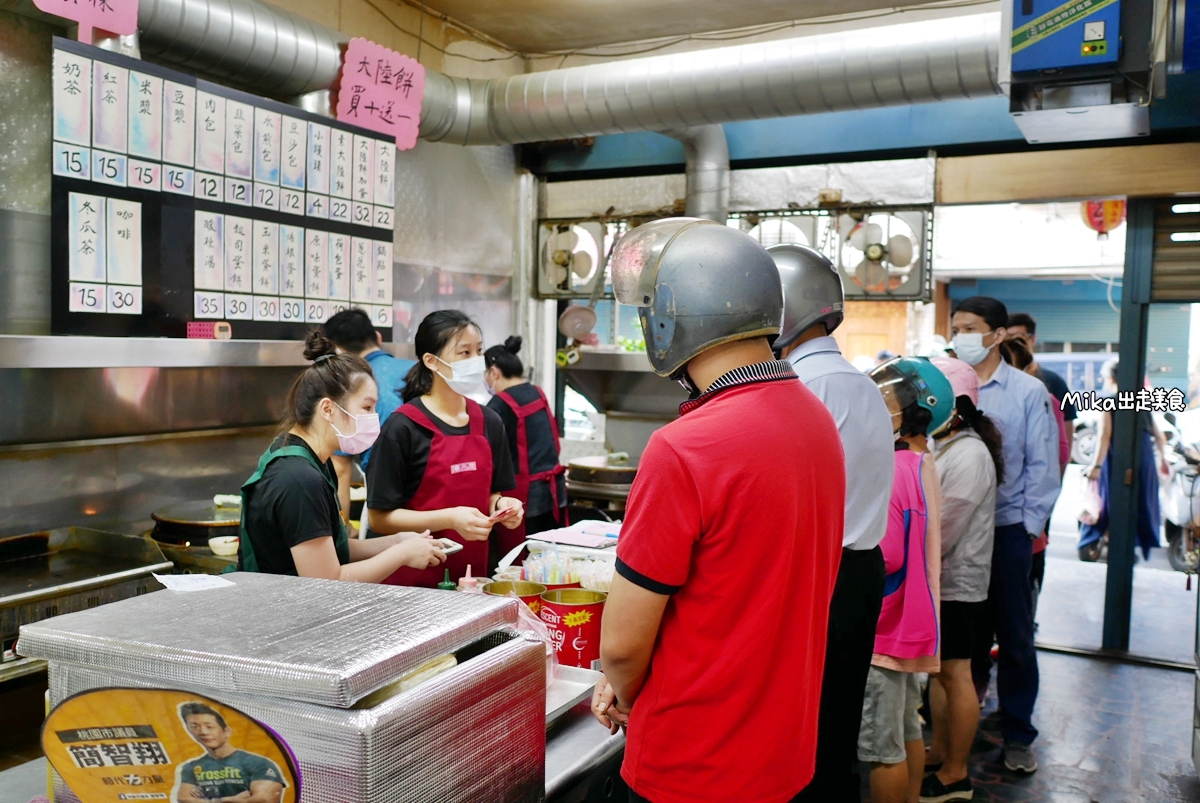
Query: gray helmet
[[812, 290], [696, 284]]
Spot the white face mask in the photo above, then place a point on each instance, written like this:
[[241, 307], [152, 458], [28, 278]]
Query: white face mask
[[969, 347], [466, 375]]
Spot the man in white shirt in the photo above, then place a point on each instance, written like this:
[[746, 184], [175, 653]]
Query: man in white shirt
[[813, 300]]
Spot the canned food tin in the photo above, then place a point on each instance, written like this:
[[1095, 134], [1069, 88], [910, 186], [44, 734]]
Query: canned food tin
[[573, 617], [529, 593]]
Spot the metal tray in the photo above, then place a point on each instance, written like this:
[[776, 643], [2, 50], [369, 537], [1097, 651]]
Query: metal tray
[[570, 687]]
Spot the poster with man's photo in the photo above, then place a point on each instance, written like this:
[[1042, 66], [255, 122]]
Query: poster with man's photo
[[113, 745]]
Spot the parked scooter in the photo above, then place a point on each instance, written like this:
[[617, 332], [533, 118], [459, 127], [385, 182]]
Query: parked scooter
[[1181, 508]]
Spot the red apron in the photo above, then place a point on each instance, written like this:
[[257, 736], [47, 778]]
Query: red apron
[[459, 473], [509, 539]]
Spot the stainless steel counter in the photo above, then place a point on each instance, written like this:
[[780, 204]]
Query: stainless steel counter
[[576, 748]]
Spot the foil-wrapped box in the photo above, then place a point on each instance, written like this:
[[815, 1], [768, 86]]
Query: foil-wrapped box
[[300, 655]]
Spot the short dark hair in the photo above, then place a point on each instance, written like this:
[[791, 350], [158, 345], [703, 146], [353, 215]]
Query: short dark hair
[[200, 709], [436, 330], [991, 310], [351, 330], [1023, 319]]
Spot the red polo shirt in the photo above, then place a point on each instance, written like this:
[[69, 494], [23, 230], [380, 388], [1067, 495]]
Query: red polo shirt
[[737, 514]]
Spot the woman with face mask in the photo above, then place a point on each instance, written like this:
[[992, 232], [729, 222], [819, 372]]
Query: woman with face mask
[[291, 519], [442, 461], [532, 444]]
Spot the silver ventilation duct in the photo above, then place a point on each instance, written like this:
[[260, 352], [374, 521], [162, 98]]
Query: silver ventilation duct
[[707, 154], [945, 59], [280, 53], [243, 41]]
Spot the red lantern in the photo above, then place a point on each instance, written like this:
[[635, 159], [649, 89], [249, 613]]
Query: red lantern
[[1103, 216]]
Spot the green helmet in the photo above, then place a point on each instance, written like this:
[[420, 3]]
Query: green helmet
[[916, 380]]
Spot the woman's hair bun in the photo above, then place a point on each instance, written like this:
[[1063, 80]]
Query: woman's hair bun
[[317, 345], [513, 344]]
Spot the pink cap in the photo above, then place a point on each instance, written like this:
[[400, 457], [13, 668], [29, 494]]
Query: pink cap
[[962, 377]]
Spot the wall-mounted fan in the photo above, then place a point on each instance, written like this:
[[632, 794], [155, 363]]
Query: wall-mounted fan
[[568, 256], [878, 251]]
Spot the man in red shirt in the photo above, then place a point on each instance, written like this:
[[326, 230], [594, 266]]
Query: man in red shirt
[[714, 632]]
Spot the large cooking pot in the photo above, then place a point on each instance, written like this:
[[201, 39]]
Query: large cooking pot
[[195, 522], [600, 478]]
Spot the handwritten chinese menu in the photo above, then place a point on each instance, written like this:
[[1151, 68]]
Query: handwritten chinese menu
[[183, 200], [382, 90]]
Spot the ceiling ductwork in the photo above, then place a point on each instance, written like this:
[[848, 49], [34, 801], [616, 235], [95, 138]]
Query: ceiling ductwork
[[280, 53]]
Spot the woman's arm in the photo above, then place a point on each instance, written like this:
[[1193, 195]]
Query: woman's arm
[[318, 558], [363, 548], [466, 521], [1103, 440], [498, 502]]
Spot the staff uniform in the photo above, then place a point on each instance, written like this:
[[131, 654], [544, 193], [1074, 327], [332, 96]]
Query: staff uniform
[[865, 428], [533, 447], [291, 498], [1019, 405], [744, 535], [968, 479], [423, 463]]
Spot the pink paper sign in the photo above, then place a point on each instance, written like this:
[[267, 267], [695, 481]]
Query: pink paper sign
[[114, 16], [381, 89]]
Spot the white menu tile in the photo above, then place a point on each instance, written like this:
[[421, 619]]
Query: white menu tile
[[383, 217], [292, 150], [87, 297], [340, 210], [109, 168], [381, 316], [362, 271], [208, 271], [238, 192], [292, 247], [316, 205], [314, 311], [266, 308], [210, 132], [85, 222], [72, 161], [179, 180], [317, 168], [291, 201], [266, 196], [145, 175], [339, 266], [266, 258], [291, 310], [210, 187], [145, 116], [316, 263], [237, 253], [124, 300], [72, 98], [383, 273], [266, 146], [385, 173], [179, 124], [110, 106], [239, 136], [363, 172], [239, 307], [316, 257], [209, 304], [341, 157], [364, 214], [123, 234]]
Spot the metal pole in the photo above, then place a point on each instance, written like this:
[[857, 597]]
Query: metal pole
[[1124, 486]]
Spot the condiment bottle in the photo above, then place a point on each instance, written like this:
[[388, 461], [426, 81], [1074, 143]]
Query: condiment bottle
[[447, 584], [468, 583]]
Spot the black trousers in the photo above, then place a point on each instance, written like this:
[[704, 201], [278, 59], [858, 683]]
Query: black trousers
[[853, 615]]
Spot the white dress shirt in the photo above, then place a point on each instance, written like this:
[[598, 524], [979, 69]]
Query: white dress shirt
[[866, 428]]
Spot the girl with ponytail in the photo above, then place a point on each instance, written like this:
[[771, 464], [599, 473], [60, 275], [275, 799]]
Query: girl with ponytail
[[532, 443], [442, 461], [292, 522]]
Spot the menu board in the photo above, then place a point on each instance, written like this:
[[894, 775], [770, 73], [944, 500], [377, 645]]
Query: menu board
[[178, 200]]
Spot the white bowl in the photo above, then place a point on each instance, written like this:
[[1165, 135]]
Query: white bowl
[[226, 545]]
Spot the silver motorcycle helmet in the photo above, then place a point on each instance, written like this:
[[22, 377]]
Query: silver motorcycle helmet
[[696, 284], [812, 291]]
